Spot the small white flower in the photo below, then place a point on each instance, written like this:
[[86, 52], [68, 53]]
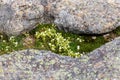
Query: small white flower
[[49, 44], [49, 30], [78, 47], [94, 37], [12, 37], [77, 53], [80, 40], [1, 36], [16, 43], [6, 49], [4, 41]]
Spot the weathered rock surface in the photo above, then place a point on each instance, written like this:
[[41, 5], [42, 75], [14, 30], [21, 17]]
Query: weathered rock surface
[[20, 15], [86, 16], [101, 64], [77, 16]]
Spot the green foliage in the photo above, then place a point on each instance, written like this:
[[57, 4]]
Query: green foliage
[[47, 37], [117, 31], [9, 44], [55, 42]]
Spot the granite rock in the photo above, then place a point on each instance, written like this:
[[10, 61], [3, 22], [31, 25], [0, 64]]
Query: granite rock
[[17, 16], [77, 16], [101, 64], [86, 16]]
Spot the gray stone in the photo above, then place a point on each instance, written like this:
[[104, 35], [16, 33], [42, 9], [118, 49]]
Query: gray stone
[[17, 16], [86, 16], [101, 64], [77, 16]]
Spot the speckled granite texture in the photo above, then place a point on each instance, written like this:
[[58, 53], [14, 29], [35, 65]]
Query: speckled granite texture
[[20, 15], [86, 16], [77, 16], [101, 64]]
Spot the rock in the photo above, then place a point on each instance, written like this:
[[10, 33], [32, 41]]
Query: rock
[[20, 15], [86, 16], [77, 16], [101, 64]]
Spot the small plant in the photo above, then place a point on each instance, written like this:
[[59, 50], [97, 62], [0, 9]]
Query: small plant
[[9, 44], [55, 42]]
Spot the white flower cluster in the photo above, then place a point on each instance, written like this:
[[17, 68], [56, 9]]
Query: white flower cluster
[[9, 44], [13, 41], [56, 42]]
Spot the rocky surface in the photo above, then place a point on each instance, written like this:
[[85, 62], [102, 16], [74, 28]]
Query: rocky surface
[[77, 16], [101, 64], [20, 15], [86, 16]]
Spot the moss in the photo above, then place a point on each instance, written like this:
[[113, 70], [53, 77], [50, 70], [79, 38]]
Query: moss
[[71, 44], [117, 31]]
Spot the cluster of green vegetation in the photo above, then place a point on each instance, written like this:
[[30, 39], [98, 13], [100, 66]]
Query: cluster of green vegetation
[[117, 31], [47, 37]]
